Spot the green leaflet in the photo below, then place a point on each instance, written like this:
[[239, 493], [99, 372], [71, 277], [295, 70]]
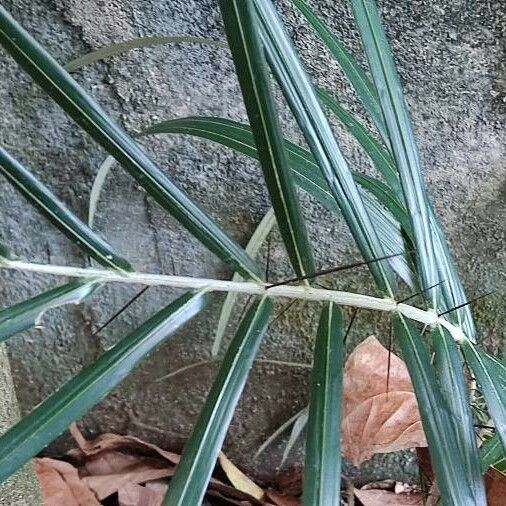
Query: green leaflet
[[189, 483], [401, 137], [492, 454], [322, 465], [28, 313], [81, 108], [308, 176], [252, 248], [55, 211], [254, 81], [447, 462], [377, 153], [491, 377], [449, 366], [139, 42], [452, 289], [50, 418], [356, 75], [305, 106]]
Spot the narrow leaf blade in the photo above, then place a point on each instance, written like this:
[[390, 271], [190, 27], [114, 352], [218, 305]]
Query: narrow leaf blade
[[201, 451], [354, 72], [55, 211], [322, 466], [254, 81], [450, 370], [137, 43], [28, 313], [491, 376], [252, 248], [436, 416], [401, 137], [50, 418], [48, 74], [492, 453]]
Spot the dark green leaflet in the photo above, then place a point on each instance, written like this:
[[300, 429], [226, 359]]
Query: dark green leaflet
[[189, 483], [78, 104], [254, 79], [50, 418]]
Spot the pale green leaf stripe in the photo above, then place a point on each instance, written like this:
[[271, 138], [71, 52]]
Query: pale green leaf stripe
[[137, 43], [189, 483], [49, 75], [492, 453], [50, 418], [306, 108], [322, 465], [251, 70], [302, 414], [401, 137], [28, 313], [252, 248], [55, 211], [449, 368], [491, 377], [447, 462], [298, 427], [356, 75]]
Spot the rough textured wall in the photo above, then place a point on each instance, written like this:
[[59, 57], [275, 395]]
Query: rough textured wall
[[449, 55], [22, 488]]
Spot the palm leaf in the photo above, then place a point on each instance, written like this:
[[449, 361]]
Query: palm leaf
[[254, 81], [380, 157], [189, 483], [307, 174], [252, 248], [137, 43], [400, 134], [50, 418], [322, 466], [306, 109], [449, 366], [491, 376], [56, 212], [492, 454], [75, 101], [28, 313], [447, 461], [353, 71]]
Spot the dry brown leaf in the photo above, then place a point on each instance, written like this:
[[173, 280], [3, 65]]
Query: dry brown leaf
[[238, 479], [60, 484], [107, 484], [384, 497], [375, 421], [137, 495], [116, 442]]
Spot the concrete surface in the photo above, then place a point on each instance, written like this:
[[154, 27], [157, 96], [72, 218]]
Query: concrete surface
[[22, 488], [449, 56]]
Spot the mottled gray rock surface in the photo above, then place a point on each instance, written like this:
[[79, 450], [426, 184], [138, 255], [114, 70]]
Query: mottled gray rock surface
[[449, 56], [22, 488]]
